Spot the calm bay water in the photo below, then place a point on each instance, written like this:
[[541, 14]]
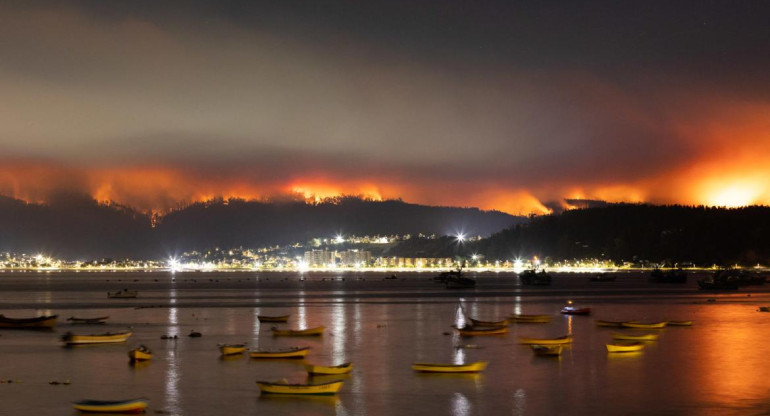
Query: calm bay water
[[718, 366]]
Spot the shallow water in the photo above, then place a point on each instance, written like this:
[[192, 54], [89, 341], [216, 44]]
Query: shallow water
[[718, 366]]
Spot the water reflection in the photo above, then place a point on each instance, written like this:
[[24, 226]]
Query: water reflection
[[519, 402], [461, 406], [339, 330]]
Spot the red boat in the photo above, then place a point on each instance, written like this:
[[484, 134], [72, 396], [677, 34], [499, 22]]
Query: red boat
[[571, 310]]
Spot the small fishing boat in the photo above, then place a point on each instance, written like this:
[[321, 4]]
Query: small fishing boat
[[141, 353], [644, 325], [609, 324], [38, 322], [232, 349], [282, 387], [123, 294], [469, 331], [477, 322], [547, 350], [118, 406], [298, 332], [530, 319], [678, 323], [476, 367], [764, 309], [546, 341], [571, 310], [294, 352], [107, 338], [266, 318], [323, 370], [87, 321], [635, 337], [625, 347]]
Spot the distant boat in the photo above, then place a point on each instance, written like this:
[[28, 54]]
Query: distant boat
[[123, 294], [266, 318], [625, 347], [547, 350], [678, 323], [232, 349], [477, 322], [721, 280], [282, 387], [88, 321], [533, 277], [671, 276], [645, 325], [609, 324], [324, 370], [530, 319], [295, 352], [141, 353], [107, 338], [475, 367], [764, 309], [567, 339], [571, 310], [38, 322], [317, 331], [469, 331], [634, 337], [119, 406]]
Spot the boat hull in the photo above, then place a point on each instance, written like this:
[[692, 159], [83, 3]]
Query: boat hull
[[39, 322], [547, 350], [630, 337], [329, 388], [232, 349], [310, 332], [139, 355], [108, 338], [621, 348], [450, 368], [476, 322], [473, 331], [265, 318], [100, 406], [643, 325], [546, 341], [334, 370], [292, 353], [530, 319]]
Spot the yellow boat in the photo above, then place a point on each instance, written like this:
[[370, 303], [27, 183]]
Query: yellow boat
[[38, 322], [232, 349], [567, 339], [281, 387], [476, 322], [628, 347], [120, 406], [678, 323], [547, 350], [298, 332], [609, 324], [140, 353], [107, 338], [530, 319], [266, 318], [323, 370], [645, 325], [632, 337], [476, 367], [470, 331], [295, 352]]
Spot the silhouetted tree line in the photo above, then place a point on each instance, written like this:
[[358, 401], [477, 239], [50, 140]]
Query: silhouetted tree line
[[76, 226], [634, 232]]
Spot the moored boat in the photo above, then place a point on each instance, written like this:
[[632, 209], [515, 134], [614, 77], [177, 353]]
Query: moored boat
[[88, 321], [282, 387], [571, 310], [232, 349], [118, 406], [635, 337], [645, 325], [547, 350], [530, 319], [625, 347], [678, 323], [38, 322], [534, 277], [298, 332], [764, 309], [294, 352], [546, 341], [266, 318], [469, 331], [609, 324], [107, 338], [140, 353], [475, 367], [477, 322], [123, 294], [332, 370]]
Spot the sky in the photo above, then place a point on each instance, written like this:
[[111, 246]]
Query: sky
[[506, 105]]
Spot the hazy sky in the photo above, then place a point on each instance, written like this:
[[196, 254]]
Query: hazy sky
[[508, 105]]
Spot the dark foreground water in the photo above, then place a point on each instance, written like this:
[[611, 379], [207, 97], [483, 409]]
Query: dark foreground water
[[719, 366]]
